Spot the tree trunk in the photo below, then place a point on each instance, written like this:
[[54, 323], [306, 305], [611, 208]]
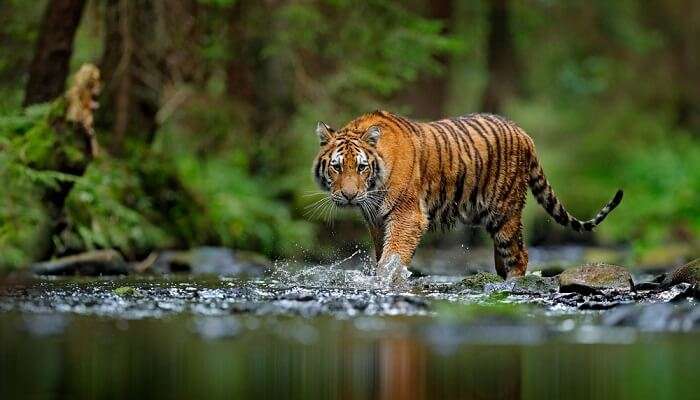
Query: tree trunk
[[429, 95], [261, 82], [132, 69], [501, 59], [75, 131], [49, 68]]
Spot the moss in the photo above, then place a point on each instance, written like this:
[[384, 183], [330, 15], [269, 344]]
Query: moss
[[125, 291], [479, 280]]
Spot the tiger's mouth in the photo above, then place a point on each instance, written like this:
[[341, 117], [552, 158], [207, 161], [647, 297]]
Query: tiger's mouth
[[342, 200]]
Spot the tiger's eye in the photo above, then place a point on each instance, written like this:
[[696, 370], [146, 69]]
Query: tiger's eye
[[361, 167]]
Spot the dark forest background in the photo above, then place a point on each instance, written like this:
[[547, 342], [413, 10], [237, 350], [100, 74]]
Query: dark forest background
[[207, 112]]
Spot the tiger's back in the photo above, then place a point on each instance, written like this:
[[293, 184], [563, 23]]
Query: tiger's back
[[475, 169]]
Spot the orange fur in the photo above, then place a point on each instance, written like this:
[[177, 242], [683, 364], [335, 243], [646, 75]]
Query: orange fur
[[408, 176]]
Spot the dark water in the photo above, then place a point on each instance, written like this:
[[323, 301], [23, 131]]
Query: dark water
[[323, 333]]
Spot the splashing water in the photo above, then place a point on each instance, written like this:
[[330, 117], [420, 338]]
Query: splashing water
[[393, 276], [393, 273]]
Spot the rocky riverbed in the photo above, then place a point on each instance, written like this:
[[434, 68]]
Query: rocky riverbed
[[212, 321], [607, 292]]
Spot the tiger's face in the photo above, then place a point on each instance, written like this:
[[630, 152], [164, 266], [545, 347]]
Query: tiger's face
[[348, 165]]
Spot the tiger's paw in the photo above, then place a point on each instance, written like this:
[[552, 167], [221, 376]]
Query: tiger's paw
[[393, 273]]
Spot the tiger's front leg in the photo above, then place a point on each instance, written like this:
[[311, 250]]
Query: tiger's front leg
[[402, 233], [376, 232]]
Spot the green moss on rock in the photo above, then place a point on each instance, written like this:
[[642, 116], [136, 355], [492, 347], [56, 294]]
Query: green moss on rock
[[479, 280]]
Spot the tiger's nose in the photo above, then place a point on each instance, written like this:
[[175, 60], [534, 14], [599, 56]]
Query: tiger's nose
[[349, 196]]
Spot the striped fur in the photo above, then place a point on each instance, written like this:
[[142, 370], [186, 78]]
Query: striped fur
[[474, 169]]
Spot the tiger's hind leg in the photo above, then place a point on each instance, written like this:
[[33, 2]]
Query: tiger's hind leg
[[510, 254]]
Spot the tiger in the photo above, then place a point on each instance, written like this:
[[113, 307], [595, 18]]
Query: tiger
[[407, 177]]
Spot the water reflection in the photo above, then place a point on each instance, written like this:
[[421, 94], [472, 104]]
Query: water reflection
[[280, 357]]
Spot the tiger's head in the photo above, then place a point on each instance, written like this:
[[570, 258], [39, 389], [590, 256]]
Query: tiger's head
[[348, 165]]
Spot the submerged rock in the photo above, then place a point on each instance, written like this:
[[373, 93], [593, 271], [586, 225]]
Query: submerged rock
[[91, 263], [595, 277], [478, 281], [211, 261], [655, 317], [528, 284], [533, 284]]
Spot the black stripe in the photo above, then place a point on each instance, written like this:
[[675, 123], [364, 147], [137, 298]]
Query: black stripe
[[496, 129], [443, 186], [459, 139], [576, 224], [444, 135], [517, 171], [481, 131], [480, 168], [459, 189], [478, 162], [561, 215], [551, 201], [441, 181]]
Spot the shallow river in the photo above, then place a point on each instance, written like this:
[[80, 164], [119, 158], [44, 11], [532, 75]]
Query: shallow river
[[334, 333]]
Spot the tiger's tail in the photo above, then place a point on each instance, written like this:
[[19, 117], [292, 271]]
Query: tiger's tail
[[543, 192]]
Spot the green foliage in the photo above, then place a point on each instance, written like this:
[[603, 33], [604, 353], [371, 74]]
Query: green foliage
[[238, 207], [108, 208], [602, 88], [362, 58], [24, 222], [19, 21], [24, 216]]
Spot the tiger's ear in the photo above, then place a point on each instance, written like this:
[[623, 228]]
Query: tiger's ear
[[324, 132], [372, 135]]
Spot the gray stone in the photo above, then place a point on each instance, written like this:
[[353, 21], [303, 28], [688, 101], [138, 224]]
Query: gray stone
[[211, 261], [655, 317], [91, 263], [533, 284], [595, 277], [528, 284]]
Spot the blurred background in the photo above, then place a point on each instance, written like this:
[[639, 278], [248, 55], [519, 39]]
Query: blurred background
[[207, 113]]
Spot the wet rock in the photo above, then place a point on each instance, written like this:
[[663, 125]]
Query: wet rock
[[478, 281], [688, 273], [533, 284], [645, 286], [91, 263], [528, 284], [593, 278], [211, 261], [298, 295], [655, 317], [685, 291], [551, 270]]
